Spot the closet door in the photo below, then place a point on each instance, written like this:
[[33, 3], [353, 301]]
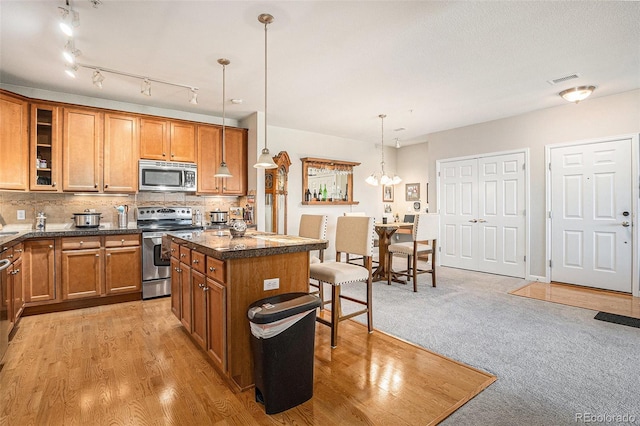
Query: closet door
[[483, 214]]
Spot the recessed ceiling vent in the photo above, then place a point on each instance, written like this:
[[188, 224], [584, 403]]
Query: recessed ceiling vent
[[563, 79]]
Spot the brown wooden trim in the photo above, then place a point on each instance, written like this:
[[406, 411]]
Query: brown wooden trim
[[81, 303]]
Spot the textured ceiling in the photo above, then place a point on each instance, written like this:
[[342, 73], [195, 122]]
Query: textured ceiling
[[334, 65]]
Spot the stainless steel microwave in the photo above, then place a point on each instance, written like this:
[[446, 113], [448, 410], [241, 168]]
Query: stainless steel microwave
[[167, 176]]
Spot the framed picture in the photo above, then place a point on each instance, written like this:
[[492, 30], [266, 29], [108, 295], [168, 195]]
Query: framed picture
[[412, 191], [387, 193]]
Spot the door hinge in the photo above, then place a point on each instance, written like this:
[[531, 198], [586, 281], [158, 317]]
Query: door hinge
[[524, 166], [550, 214], [438, 174], [525, 258], [549, 165], [549, 263], [439, 249]]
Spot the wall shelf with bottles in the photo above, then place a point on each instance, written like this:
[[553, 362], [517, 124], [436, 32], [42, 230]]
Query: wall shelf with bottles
[[327, 182]]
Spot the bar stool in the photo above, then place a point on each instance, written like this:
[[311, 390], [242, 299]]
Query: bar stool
[[354, 235], [424, 238], [314, 226]]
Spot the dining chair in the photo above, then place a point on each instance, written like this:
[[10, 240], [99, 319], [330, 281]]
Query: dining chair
[[314, 226], [354, 235], [423, 242]]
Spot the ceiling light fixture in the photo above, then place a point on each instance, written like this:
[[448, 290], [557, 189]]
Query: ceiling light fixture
[[145, 89], [97, 78], [194, 97], [384, 179], [70, 53], [71, 70], [265, 161], [223, 170], [577, 94], [69, 20], [397, 143]]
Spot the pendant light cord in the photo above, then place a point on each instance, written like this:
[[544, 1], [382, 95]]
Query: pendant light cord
[[224, 97], [265, 84], [382, 116]]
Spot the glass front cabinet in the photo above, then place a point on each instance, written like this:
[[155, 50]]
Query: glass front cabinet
[[45, 162]]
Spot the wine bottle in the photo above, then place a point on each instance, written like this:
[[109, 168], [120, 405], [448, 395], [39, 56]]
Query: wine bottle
[[315, 195], [324, 193]]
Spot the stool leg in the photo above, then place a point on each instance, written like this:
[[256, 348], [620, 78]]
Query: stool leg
[[335, 314], [415, 272], [370, 303], [433, 263], [321, 294]]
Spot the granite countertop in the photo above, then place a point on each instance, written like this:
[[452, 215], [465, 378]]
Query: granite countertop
[[10, 237], [220, 245]]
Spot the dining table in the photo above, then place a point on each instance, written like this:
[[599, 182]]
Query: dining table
[[385, 231]]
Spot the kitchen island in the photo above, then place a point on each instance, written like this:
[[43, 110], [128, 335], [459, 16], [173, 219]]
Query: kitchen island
[[215, 278]]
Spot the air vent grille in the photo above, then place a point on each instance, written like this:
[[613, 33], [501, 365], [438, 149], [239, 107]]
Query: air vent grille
[[563, 79]]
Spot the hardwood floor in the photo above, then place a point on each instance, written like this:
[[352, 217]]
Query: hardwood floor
[[132, 364], [583, 297]]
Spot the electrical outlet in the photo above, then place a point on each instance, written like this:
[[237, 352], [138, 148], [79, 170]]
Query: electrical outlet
[[21, 215], [272, 284]]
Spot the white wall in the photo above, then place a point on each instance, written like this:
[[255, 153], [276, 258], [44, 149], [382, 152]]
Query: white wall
[[592, 118]]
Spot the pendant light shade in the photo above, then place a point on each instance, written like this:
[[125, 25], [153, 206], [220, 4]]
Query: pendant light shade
[[384, 178], [223, 170], [265, 161]]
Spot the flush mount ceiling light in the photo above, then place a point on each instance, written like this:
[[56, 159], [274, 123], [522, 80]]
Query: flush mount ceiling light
[[145, 89], [397, 143], [71, 70], [70, 53], [194, 97], [223, 170], [69, 19], [577, 94], [384, 179], [97, 79], [265, 161]]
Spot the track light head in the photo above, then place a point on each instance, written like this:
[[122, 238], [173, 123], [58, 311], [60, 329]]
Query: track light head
[[146, 87], [69, 20], [97, 79], [70, 53], [194, 96], [71, 70]]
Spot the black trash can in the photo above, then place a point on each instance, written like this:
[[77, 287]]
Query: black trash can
[[282, 340]]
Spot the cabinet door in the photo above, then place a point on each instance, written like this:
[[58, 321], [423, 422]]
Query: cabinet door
[[185, 299], [235, 154], [183, 142], [154, 139], [216, 323], [39, 271], [199, 308], [45, 145], [16, 273], [14, 143], [82, 150], [176, 288], [122, 270], [121, 148], [209, 155], [81, 273]]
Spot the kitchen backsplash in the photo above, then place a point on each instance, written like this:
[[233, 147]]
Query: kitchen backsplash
[[59, 208]]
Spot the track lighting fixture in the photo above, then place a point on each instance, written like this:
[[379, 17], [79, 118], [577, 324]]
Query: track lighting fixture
[[71, 70], [194, 97], [70, 53], [70, 19], [97, 79], [146, 87], [223, 170], [265, 161]]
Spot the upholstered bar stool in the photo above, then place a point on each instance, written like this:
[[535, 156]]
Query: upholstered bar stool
[[354, 235], [356, 260], [314, 226], [424, 238]]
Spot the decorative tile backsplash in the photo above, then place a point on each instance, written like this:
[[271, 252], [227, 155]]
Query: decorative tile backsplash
[[59, 208]]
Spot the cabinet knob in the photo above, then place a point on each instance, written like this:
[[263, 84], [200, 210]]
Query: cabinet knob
[[205, 289], [97, 255], [196, 261], [172, 250], [201, 285], [172, 155], [211, 268], [16, 272], [164, 155], [106, 185], [50, 246], [19, 250], [108, 255], [53, 184], [81, 242], [122, 241], [10, 256], [95, 185]]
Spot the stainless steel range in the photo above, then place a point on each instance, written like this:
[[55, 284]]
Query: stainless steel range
[[155, 222]]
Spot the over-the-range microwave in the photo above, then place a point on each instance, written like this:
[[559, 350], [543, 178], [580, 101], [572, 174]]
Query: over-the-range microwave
[[167, 176]]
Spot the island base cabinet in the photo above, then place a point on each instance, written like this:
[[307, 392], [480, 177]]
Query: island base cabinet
[[216, 323], [176, 288], [199, 308]]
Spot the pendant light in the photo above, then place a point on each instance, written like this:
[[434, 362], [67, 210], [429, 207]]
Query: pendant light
[[384, 178], [265, 161], [223, 170]]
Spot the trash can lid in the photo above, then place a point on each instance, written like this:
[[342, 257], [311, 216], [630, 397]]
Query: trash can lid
[[275, 308]]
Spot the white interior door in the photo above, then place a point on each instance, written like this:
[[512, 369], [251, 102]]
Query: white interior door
[[483, 214], [591, 238]]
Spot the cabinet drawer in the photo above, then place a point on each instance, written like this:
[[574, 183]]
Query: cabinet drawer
[[128, 240], [175, 250], [198, 261], [215, 269], [185, 255], [17, 251], [7, 254], [74, 243]]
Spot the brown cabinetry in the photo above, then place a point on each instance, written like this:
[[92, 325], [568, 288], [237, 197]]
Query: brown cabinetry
[[82, 150], [45, 160], [122, 267], [210, 156], [39, 271], [14, 279], [121, 148], [81, 272], [167, 140], [14, 143]]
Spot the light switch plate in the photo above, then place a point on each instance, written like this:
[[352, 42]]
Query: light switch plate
[[21, 215], [272, 284]]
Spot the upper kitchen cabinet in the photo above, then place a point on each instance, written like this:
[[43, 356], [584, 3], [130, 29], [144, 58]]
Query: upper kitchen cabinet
[[210, 156], [167, 140], [45, 170], [82, 150], [121, 148], [14, 142]]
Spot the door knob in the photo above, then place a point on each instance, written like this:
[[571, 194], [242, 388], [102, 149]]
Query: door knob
[[626, 224], [473, 221], [481, 220]]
